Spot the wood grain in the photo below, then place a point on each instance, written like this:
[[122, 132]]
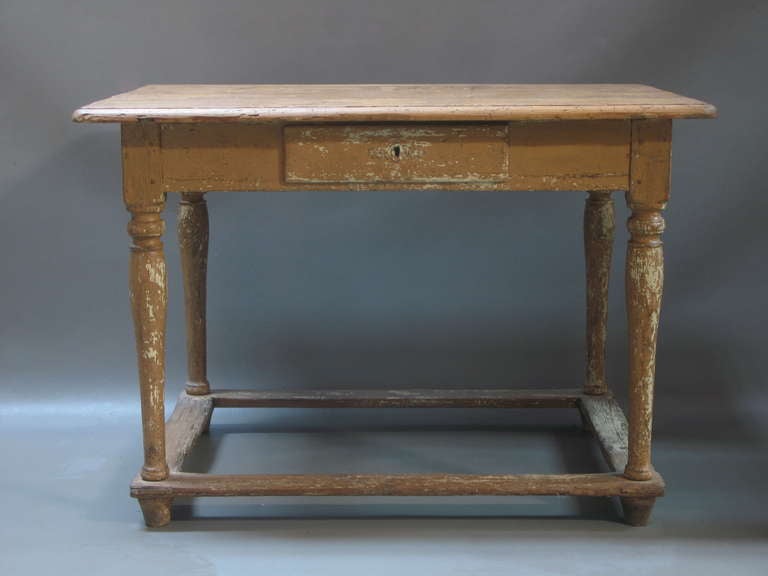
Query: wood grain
[[536, 156], [424, 398], [599, 225], [142, 166], [391, 102], [637, 510], [198, 138], [156, 511], [192, 231], [145, 200], [190, 418], [644, 280], [402, 153], [607, 421], [569, 155], [187, 484]]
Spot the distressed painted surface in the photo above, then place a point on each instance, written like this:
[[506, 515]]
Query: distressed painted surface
[[192, 229], [651, 158], [148, 294], [644, 279], [637, 509], [156, 511], [189, 420], [192, 414], [414, 398], [599, 156], [186, 484], [569, 155], [145, 199], [607, 420], [142, 165], [206, 157], [644, 285], [396, 153], [599, 225], [592, 155]]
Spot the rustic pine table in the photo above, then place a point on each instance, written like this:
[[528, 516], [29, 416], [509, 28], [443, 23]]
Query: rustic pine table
[[194, 139]]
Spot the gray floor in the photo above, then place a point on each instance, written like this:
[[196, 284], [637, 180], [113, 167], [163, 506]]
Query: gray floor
[[67, 510]]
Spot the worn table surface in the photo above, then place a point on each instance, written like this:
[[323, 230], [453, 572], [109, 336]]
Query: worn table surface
[[595, 138], [378, 102]]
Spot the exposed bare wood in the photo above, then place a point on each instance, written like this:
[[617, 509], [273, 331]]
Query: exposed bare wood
[[606, 419], [535, 156], [435, 398], [376, 153], [391, 102], [189, 420], [186, 484], [193, 247], [599, 227], [198, 138], [147, 285], [648, 194]]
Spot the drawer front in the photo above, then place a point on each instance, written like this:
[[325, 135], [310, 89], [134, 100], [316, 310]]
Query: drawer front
[[395, 153]]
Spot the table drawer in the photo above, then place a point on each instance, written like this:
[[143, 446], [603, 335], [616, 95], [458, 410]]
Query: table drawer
[[440, 153]]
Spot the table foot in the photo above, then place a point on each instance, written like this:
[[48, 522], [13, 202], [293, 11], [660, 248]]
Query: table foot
[[637, 511], [157, 511]]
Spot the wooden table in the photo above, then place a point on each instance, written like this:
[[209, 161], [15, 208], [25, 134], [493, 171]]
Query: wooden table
[[194, 139]]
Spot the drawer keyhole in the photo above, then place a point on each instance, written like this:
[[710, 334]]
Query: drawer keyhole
[[396, 151]]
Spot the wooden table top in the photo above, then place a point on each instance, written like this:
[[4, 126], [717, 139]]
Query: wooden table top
[[390, 102]]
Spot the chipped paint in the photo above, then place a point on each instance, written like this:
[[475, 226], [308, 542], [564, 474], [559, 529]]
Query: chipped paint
[[150, 354], [599, 226], [645, 279], [396, 153], [148, 300], [256, 157], [155, 272]]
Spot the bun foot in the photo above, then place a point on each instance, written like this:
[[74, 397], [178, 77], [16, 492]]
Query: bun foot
[[637, 511], [157, 511]]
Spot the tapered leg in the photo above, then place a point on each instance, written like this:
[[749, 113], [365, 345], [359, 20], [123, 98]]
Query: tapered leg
[[148, 294], [644, 280], [599, 228], [193, 244], [145, 199], [157, 511], [637, 511]]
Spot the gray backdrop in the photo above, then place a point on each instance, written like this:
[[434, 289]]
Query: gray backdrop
[[386, 289]]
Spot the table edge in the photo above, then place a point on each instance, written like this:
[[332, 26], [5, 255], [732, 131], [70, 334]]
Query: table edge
[[498, 113]]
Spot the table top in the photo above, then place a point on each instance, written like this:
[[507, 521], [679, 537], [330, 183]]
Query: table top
[[390, 102]]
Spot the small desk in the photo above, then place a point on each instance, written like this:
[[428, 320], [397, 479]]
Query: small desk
[[194, 139]]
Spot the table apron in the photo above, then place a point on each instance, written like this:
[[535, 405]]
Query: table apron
[[502, 156]]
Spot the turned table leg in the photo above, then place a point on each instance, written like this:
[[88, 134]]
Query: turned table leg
[[644, 282], [647, 197], [193, 245], [145, 200], [148, 303], [599, 228]]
